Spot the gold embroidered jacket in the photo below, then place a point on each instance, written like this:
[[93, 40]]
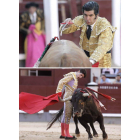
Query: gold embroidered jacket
[[100, 42], [64, 82], [25, 21]]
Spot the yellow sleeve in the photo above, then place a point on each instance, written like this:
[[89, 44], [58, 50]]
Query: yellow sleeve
[[62, 82], [104, 45]]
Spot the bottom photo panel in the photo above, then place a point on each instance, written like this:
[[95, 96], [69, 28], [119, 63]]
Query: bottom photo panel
[[82, 104]]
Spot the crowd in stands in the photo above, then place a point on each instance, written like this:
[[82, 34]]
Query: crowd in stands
[[106, 73]]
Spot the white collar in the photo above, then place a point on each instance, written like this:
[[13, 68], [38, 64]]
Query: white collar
[[33, 15], [91, 26]]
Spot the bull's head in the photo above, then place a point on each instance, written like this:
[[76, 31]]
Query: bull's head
[[78, 102]]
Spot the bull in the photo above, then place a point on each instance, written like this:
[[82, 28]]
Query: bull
[[86, 109], [65, 53]]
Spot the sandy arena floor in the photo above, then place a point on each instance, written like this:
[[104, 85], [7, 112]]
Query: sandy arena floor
[[37, 131]]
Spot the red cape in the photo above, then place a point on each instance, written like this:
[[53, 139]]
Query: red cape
[[32, 103]]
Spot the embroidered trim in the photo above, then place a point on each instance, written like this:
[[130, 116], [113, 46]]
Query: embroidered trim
[[83, 24], [105, 29], [93, 43], [76, 25], [69, 87]]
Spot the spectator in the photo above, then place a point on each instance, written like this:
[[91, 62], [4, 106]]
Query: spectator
[[104, 79], [117, 71], [32, 25], [108, 71], [118, 79]]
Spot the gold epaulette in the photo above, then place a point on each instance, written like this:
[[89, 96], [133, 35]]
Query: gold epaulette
[[71, 73], [24, 16], [40, 13], [102, 24]]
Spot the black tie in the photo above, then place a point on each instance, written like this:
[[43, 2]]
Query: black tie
[[88, 32]]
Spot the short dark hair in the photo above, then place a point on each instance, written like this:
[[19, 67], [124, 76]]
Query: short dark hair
[[103, 75], [91, 5], [83, 71], [118, 75]]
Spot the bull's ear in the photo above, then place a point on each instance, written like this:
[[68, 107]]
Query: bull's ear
[[85, 94]]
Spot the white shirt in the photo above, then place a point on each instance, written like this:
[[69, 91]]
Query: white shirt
[[92, 61], [33, 17], [91, 26]]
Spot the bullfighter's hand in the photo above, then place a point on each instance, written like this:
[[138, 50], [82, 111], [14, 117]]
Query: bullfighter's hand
[[43, 32], [66, 99], [67, 20], [92, 61], [61, 100], [28, 31]]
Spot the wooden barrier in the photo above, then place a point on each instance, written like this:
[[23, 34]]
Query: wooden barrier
[[113, 90]]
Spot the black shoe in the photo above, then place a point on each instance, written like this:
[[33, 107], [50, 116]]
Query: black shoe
[[62, 137], [70, 138]]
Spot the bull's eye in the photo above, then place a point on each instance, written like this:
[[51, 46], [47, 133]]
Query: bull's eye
[[82, 104]]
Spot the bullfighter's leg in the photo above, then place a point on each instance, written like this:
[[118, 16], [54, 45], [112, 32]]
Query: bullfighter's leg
[[63, 125], [77, 132], [68, 114], [90, 137], [100, 119], [95, 134]]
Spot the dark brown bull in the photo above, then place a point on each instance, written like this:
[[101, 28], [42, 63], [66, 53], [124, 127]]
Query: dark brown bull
[[87, 110], [64, 53]]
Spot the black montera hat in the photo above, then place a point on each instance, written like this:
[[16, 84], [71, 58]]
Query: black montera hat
[[28, 5]]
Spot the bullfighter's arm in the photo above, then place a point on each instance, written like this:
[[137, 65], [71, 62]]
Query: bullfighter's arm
[[22, 21], [66, 99], [104, 45], [41, 15], [70, 28], [62, 82]]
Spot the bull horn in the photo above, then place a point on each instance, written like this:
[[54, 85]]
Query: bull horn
[[85, 94]]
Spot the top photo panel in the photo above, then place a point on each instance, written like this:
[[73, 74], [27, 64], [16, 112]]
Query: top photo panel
[[69, 33]]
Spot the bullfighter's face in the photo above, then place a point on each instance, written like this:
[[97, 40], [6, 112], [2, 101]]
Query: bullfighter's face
[[89, 17], [32, 9], [79, 75]]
